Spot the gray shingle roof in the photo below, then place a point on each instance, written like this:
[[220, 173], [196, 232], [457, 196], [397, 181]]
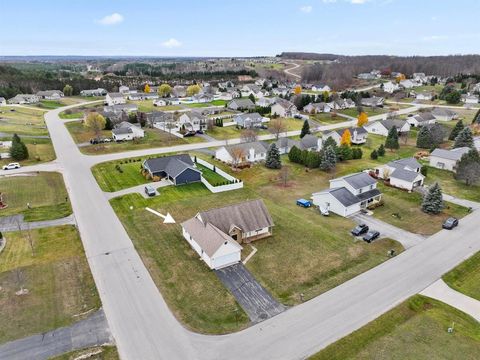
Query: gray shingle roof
[[443, 112], [172, 165], [454, 154], [360, 130], [259, 147], [403, 174], [388, 124], [248, 216], [286, 142], [346, 198], [359, 180], [308, 141], [411, 162], [424, 116]]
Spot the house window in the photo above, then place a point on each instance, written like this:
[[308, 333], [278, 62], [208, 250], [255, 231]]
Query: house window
[[371, 187], [360, 191]]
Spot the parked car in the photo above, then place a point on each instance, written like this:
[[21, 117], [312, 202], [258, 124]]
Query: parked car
[[370, 236], [450, 223], [359, 230], [304, 203], [11, 166], [150, 190]]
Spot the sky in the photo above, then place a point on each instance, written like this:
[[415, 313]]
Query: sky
[[238, 27]]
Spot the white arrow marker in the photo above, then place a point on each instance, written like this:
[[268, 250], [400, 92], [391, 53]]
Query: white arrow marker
[[168, 219]]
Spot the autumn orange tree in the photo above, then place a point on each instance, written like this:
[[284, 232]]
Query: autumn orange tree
[[146, 89], [362, 119], [400, 77], [346, 138], [297, 90]]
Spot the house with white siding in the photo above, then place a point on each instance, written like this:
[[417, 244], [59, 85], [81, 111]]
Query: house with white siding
[[421, 119], [283, 108], [447, 159], [115, 99], [249, 152], [382, 127], [126, 131], [403, 173], [348, 195], [444, 114], [358, 135], [3, 101], [50, 94]]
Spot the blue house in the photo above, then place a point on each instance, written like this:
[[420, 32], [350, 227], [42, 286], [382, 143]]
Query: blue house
[[179, 169]]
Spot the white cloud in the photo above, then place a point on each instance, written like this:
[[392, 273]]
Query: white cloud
[[434, 37], [306, 9], [359, 2], [111, 19], [171, 43]]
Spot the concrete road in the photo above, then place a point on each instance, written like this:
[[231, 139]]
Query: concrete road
[[93, 331], [293, 67], [144, 327], [407, 239]]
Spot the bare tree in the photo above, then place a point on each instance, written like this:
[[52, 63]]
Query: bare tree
[[238, 156], [248, 135], [277, 126], [284, 175], [19, 278]]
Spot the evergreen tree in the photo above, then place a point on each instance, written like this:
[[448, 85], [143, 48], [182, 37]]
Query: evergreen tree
[[313, 160], [108, 124], [294, 154], [330, 142], [468, 168], [329, 159], [273, 158], [433, 200], [381, 150], [344, 153], [303, 157], [456, 130], [305, 129], [357, 153], [464, 139], [374, 155], [19, 150], [392, 139], [424, 138], [252, 98], [476, 118]]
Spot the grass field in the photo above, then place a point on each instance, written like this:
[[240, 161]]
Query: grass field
[[415, 329], [79, 111], [55, 104], [211, 176], [96, 353], [57, 277], [466, 277], [451, 186], [211, 103], [45, 192], [147, 106], [403, 210], [22, 121], [307, 253], [327, 118], [370, 111], [39, 150], [153, 138], [110, 179]]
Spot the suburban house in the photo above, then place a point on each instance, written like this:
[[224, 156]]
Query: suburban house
[[3, 101], [321, 88], [340, 104], [179, 91], [241, 104], [382, 127], [94, 92], [421, 119], [390, 87], [160, 119], [408, 84], [403, 173], [283, 108], [117, 109], [419, 77], [349, 194], [193, 121], [123, 89], [315, 108], [358, 135], [242, 153], [249, 120], [24, 99], [179, 169], [264, 102], [50, 94], [255, 90], [373, 101], [127, 131], [310, 142], [443, 114], [424, 95], [285, 144], [202, 98], [283, 91], [470, 99], [115, 99], [216, 234], [143, 96], [447, 159]]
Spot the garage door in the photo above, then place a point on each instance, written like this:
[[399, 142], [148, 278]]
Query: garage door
[[226, 260]]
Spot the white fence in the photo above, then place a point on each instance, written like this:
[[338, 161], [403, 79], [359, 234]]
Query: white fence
[[221, 188]]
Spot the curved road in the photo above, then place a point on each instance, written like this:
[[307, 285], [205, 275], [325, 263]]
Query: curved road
[[288, 71], [144, 327]]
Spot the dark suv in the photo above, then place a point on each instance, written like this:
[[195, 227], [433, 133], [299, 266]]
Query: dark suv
[[371, 235], [450, 223], [359, 230]]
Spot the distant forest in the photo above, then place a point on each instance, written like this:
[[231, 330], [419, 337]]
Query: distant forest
[[341, 72]]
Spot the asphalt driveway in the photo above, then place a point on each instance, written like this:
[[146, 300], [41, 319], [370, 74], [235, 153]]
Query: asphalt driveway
[[252, 297]]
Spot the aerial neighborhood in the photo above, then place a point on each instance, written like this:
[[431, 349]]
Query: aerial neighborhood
[[229, 192]]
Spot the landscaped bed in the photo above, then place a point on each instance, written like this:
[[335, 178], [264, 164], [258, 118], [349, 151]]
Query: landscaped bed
[[57, 277], [44, 192], [415, 329]]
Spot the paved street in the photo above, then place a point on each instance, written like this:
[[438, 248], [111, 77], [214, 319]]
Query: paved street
[[93, 331], [407, 239], [144, 327]]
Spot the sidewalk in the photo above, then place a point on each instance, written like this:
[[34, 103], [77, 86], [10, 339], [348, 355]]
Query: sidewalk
[[439, 290]]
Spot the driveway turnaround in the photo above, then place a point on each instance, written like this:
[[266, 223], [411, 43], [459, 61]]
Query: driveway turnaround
[[143, 325], [139, 189], [441, 291], [93, 331], [252, 297], [12, 223], [407, 239]]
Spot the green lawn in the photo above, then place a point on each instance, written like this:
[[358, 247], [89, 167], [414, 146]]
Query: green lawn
[[316, 253], [44, 191], [57, 276], [370, 111], [110, 179], [327, 118], [451, 186], [211, 103], [79, 111], [211, 176], [153, 138], [96, 353], [403, 209], [39, 150], [22, 121], [415, 329], [466, 277], [147, 106]]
